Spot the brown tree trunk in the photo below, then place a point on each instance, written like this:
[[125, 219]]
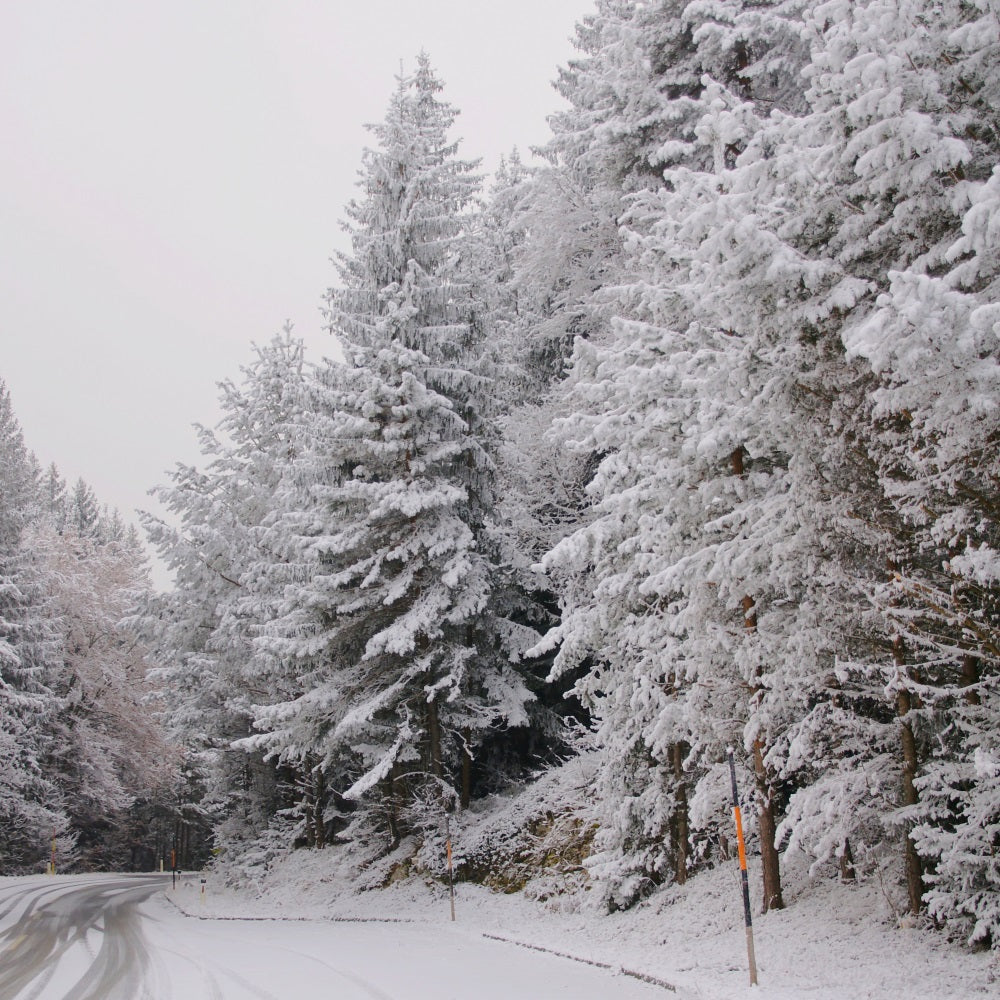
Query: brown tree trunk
[[908, 745], [681, 824], [766, 811], [434, 738], [305, 784], [914, 866], [767, 818], [389, 795], [319, 795], [847, 873], [768, 826], [466, 781]]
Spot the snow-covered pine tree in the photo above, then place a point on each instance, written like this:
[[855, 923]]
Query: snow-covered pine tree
[[930, 171], [31, 806], [570, 208], [813, 217], [657, 588], [635, 100], [509, 308], [83, 510], [537, 487], [106, 752], [406, 656], [862, 176], [203, 630], [78, 746], [55, 501]]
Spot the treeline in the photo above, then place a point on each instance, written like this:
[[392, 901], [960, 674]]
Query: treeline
[[699, 418], [84, 768]]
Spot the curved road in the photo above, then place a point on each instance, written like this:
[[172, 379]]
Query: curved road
[[87, 925], [118, 937]]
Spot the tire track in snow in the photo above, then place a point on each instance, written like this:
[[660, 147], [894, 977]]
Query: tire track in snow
[[54, 919], [369, 988]]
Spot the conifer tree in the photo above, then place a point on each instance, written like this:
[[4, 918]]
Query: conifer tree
[[928, 174], [656, 591], [31, 805], [106, 752], [84, 512], [203, 630], [411, 655]]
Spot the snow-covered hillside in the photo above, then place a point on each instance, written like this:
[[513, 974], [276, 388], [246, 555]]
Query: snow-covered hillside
[[832, 942]]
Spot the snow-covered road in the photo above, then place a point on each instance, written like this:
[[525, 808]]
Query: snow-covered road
[[121, 938]]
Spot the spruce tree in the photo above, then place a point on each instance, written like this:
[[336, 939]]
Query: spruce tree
[[31, 806], [661, 585], [203, 630], [400, 630]]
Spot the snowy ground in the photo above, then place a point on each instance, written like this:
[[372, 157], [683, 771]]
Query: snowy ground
[[311, 932], [831, 943], [108, 937], [290, 929]]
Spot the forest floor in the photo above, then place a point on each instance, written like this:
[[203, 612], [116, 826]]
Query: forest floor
[[831, 942]]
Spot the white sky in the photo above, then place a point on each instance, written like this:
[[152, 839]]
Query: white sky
[[172, 176]]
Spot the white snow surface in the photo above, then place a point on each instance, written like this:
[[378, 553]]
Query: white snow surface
[[161, 953], [830, 943]]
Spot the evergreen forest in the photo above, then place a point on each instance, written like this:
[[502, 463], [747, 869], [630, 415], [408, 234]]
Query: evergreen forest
[[678, 438]]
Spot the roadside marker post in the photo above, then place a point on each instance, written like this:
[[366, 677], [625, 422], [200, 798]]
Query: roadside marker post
[[451, 878], [203, 881], [748, 919]]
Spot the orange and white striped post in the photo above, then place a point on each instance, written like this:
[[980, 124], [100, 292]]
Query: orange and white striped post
[[743, 870]]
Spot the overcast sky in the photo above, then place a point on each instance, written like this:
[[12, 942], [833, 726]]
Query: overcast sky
[[172, 177]]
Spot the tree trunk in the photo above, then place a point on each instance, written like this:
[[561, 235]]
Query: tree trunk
[[319, 795], [914, 867], [391, 807], [766, 815], [304, 783], [768, 826], [184, 852], [466, 784], [766, 811], [847, 873], [908, 744], [681, 825], [434, 738]]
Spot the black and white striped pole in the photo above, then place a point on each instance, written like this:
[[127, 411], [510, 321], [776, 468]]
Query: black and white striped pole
[[743, 869]]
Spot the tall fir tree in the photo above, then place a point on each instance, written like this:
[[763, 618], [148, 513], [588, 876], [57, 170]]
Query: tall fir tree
[[401, 631], [660, 399], [203, 630], [31, 804]]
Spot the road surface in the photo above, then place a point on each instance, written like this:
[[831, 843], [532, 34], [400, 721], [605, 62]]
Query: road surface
[[119, 937]]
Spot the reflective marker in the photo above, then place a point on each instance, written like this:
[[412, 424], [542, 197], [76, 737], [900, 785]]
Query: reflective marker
[[743, 870]]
